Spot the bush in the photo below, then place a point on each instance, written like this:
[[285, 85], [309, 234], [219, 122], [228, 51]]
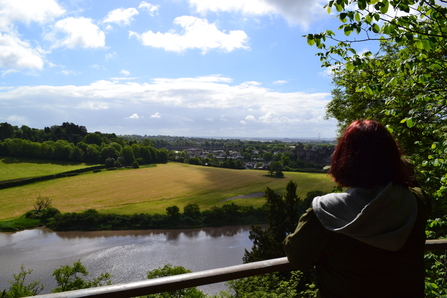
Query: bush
[[110, 162], [279, 174]]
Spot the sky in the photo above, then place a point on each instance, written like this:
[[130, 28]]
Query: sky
[[203, 68]]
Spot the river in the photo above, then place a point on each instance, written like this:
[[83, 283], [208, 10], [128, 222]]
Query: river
[[127, 255]]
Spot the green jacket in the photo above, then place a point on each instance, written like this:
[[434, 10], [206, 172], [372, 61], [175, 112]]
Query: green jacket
[[372, 249]]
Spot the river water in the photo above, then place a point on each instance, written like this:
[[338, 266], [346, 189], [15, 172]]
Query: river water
[[127, 255]]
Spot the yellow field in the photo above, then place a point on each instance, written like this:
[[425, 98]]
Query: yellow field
[[151, 190]]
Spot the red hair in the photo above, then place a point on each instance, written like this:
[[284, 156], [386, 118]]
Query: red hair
[[367, 155]]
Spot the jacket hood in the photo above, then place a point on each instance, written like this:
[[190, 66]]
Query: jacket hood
[[382, 216]]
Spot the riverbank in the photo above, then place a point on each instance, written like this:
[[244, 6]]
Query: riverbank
[[229, 214]]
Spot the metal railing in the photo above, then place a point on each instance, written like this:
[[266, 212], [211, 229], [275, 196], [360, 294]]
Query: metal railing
[[194, 279]]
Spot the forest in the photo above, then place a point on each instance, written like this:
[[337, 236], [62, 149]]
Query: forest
[[71, 142]]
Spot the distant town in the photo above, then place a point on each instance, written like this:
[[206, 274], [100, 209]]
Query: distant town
[[257, 153]]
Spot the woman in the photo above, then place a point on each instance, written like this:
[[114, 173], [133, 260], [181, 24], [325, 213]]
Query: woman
[[369, 240]]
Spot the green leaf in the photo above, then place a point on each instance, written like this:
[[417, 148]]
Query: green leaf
[[376, 28], [310, 39], [385, 6], [338, 7], [349, 66], [410, 122], [362, 4], [419, 44]]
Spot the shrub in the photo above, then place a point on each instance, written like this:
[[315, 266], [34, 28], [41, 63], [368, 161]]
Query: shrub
[[110, 162]]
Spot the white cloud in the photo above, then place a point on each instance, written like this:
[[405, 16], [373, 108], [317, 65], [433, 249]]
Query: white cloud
[[121, 16], [91, 105], [110, 56], [6, 72], [152, 9], [280, 82], [99, 67], [301, 12], [15, 53], [256, 7], [28, 11], [194, 106], [70, 72], [211, 92], [79, 32], [125, 72], [17, 118], [197, 33], [134, 116], [117, 79]]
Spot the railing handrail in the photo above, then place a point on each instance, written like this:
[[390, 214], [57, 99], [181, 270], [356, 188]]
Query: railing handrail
[[194, 279]]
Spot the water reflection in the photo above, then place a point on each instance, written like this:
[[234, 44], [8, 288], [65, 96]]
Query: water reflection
[[127, 255]]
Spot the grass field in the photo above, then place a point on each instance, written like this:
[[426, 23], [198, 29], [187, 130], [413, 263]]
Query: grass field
[[15, 168], [151, 190]]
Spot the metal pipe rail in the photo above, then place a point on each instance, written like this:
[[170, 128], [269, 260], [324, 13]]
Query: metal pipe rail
[[194, 279]]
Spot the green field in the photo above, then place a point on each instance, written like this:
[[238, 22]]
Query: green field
[[151, 190], [16, 168]]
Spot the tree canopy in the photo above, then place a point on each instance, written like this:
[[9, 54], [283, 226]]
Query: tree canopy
[[402, 85]]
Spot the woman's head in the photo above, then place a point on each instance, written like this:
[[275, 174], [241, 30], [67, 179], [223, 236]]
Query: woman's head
[[367, 155]]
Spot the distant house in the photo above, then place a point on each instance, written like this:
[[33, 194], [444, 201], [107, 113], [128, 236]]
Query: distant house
[[194, 152]]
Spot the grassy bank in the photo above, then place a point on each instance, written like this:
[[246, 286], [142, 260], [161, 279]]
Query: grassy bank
[[152, 190]]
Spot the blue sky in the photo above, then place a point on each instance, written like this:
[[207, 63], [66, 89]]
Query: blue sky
[[210, 68]]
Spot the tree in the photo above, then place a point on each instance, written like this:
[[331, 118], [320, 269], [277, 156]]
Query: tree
[[92, 153], [169, 270], [403, 85], [70, 278], [267, 156], [135, 165], [42, 203], [93, 138], [274, 167], [109, 151], [282, 214], [162, 155], [128, 154], [173, 213], [191, 210], [6, 131], [18, 287]]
